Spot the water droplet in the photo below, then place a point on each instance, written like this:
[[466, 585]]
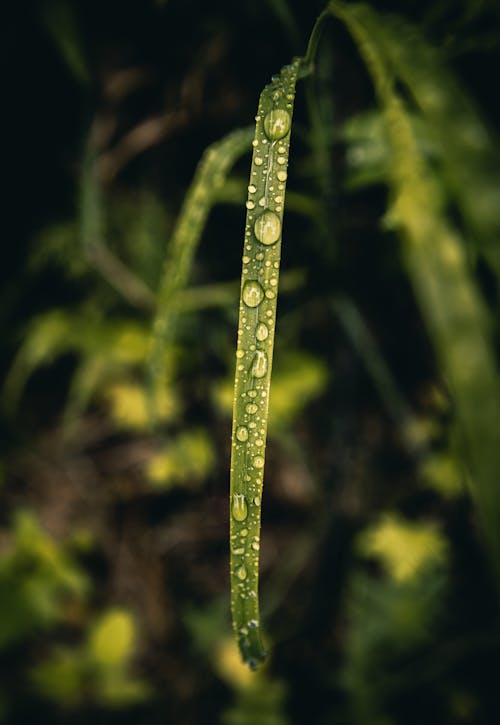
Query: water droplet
[[270, 294], [281, 160], [259, 367], [273, 282], [251, 408], [242, 433], [281, 175], [258, 161], [259, 442], [250, 204], [277, 123], [240, 354], [257, 500], [258, 462], [255, 545], [252, 393], [255, 142], [253, 624], [241, 573], [252, 294], [262, 332], [267, 227], [239, 508], [244, 532], [240, 550], [252, 189]]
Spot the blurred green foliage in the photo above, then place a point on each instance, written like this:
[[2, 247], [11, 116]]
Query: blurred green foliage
[[38, 579], [384, 407]]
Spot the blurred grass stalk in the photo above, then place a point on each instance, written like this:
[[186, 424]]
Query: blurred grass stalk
[[449, 299]]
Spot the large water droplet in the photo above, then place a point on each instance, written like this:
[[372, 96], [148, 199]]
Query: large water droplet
[[242, 433], [252, 294], [267, 227], [241, 573], [277, 123], [239, 508], [262, 332], [259, 367]]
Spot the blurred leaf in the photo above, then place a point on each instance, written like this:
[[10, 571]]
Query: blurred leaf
[[61, 22], [186, 460], [98, 670], [405, 549], [36, 577], [112, 640], [129, 408]]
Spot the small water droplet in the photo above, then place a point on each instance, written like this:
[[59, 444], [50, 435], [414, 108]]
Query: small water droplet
[[241, 573], [242, 433], [258, 462], [281, 175], [277, 123], [259, 442], [253, 624], [240, 550], [239, 508], [255, 142], [255, 545], [252, 189], [257, 500], [240, 354], [258, 161], [259, 367], [270, 294], [251, 408], [244, 532], [250, 204], [252, 393], [267, 227], [252, 294], [281, 160], [262, 331]]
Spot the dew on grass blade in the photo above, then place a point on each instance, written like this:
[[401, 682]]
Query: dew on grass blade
[[261, 256]]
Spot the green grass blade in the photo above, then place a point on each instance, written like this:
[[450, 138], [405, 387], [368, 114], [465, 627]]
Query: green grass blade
[[207, 183], [261, 260], [470, 158], [446, 292]]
